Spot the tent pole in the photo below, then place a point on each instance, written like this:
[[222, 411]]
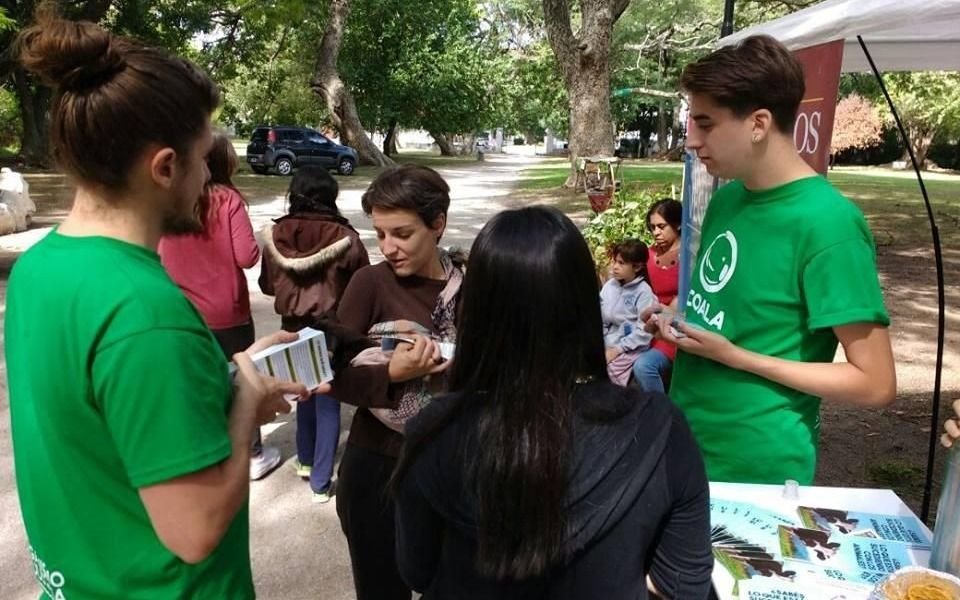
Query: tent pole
[[727, 27], [941, 303]]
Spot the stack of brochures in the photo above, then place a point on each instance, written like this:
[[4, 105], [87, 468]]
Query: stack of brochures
[[821, 553]]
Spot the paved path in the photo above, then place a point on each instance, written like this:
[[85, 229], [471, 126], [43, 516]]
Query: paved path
[[298, 550]]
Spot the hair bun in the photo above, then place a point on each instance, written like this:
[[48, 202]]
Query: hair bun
[[71, 55]]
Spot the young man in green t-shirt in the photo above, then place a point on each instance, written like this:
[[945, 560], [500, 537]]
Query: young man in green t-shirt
[[131, 447], [786, 269]]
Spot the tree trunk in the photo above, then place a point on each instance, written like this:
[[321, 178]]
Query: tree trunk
[[662, 130], [591, 126], [328, 85], [921, 147], [34, 100], [920, 140], [390, 141], [675, 129], [584, 60], [469, 145], [446, 148]]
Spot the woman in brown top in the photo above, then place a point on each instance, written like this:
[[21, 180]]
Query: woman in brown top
[[416, 283]]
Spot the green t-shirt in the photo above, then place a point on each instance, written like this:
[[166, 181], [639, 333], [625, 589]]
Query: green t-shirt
[[776, 270], [115, 384]]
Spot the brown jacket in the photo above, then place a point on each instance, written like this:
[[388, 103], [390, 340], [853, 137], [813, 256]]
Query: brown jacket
[[308, 259]]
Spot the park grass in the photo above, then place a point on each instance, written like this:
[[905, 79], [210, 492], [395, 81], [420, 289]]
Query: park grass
[[552, 173], [254, 185], [890, 199]]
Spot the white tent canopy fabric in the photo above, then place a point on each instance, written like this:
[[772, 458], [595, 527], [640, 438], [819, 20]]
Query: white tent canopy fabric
[[901, 35]]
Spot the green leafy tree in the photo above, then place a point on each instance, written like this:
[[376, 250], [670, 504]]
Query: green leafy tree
[[426, 65], [172, 24], [531, 95], [535, 97], [929, 105], [262, 71], [652, 43]]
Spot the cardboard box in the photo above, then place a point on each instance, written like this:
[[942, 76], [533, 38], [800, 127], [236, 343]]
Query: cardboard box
[[304, 361]]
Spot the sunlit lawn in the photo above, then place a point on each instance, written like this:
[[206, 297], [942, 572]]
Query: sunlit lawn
[[890, 199]]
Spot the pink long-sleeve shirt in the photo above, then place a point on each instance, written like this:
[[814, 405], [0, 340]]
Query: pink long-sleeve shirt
[[208, 266]]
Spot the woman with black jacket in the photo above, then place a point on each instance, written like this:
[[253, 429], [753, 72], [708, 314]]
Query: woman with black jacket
[[536, 477]]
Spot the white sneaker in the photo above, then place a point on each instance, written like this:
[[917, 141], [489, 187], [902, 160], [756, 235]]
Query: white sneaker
[[263, 463]]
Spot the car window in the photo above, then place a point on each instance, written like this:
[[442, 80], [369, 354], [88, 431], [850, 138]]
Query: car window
[[316, 138], [259, 135], [291, 136]]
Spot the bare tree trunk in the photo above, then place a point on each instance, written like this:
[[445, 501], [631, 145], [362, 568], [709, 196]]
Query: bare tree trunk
[[446, 148], [663, 130], [584, 60], [469, 145], [390, 140], [327, 84], [34, 100], [675, 129], [920, 140], [921, 148]]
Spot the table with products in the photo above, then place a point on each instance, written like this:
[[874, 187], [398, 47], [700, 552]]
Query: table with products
[[773, 542]]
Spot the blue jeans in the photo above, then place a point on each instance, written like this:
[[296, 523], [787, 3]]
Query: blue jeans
[[649, 368], [318, 434]]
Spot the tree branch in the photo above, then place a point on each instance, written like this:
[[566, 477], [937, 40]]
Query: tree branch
[[329, 50], [618, 8], [649, 92], [556, 16]]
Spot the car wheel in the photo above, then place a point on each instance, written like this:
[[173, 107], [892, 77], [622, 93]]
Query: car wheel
[[259, 170], [284, 166], [345, 166]]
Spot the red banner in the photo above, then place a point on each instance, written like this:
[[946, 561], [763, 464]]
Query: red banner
[[814, 128]]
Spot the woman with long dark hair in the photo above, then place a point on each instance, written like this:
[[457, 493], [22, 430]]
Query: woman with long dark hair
[[536, 477]]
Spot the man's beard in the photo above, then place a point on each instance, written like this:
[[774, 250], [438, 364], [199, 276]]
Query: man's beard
[[181, 221]]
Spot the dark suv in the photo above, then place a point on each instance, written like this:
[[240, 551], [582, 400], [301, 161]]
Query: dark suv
[[285, 148]]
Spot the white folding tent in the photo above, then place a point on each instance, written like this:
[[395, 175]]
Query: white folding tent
[[902, 35]]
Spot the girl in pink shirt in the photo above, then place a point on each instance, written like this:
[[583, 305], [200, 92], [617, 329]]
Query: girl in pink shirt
[[208, 266]]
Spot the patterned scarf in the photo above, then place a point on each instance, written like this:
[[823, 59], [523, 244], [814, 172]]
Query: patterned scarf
[[416, 393]]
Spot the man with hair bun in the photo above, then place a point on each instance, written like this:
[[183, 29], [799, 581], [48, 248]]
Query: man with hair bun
[[131, 447], [786, 270]]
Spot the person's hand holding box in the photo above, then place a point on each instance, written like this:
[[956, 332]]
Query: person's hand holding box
[[301, 357]]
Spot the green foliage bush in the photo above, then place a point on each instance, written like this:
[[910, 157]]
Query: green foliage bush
[[625, 219], [9, 119]]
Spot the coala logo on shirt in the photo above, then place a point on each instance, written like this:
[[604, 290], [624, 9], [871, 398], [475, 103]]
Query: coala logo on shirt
[[719, 262], [716, 269], [52, 582]]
